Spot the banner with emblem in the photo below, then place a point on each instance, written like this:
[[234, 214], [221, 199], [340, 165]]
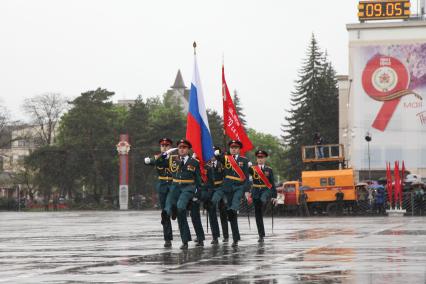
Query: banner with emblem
[[387, 99]]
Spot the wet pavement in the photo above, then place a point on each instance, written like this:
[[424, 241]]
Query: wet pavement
[[126, 247]]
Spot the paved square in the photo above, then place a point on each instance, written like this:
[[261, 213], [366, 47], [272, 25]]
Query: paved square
[[109, 247]]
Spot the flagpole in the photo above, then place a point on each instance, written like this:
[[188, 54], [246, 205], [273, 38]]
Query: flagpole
[[223, 95]]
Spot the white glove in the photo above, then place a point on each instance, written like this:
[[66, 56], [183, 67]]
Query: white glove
[[247, 195], [168, 152], [194, 155], [216, 152], [147, 161], [274, 201], [250, 164]]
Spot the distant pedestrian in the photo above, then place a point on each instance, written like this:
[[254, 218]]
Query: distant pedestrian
[[318, 142], [339, 202], [362, 199], [379, 200], [303, 206]]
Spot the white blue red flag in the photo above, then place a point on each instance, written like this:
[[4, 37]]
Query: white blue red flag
[[197, 124]]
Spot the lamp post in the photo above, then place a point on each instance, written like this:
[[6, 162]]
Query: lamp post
[[368, 139], [123, 148]]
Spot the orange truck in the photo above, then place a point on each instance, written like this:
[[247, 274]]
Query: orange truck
[[321, 188]]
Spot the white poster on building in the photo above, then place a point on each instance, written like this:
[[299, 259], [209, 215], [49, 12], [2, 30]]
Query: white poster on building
[[388, 100]]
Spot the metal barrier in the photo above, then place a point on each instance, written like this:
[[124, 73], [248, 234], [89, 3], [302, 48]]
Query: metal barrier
[[323, 153], [414, 204]]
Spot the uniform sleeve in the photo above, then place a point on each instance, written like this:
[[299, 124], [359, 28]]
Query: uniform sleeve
[[272, 181], [247, 174], [221, 158], [197, 177], [246, 169], [157, 162], [210, 179], [251, 171], [163, 161]]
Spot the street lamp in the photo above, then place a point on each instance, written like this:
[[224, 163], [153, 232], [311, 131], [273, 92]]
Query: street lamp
[[368, 139]]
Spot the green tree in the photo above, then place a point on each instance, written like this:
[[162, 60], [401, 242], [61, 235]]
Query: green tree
[[314, 107], [49, 164], [276, 152], [92, 127], [147, 122], [216, 127]]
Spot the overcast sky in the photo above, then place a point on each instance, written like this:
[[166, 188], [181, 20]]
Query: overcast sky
[[136, 47]]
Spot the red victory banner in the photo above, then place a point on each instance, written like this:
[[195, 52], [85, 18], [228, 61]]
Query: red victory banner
[[386, 79], [231, 123], [397, 186]]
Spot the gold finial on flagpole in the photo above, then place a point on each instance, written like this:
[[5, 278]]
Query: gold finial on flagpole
[[195, 46]]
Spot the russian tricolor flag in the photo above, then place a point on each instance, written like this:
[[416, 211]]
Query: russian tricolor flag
[[197, 124]]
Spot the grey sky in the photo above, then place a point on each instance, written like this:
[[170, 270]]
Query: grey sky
[[136, 47]]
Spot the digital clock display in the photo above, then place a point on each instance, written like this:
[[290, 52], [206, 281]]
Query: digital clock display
[[383, 10]]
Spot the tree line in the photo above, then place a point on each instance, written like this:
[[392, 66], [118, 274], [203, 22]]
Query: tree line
[[76, 155], [81, 162]]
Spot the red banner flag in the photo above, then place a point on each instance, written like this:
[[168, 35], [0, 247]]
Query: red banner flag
[[397, 186], [401, 186], [231, 123]]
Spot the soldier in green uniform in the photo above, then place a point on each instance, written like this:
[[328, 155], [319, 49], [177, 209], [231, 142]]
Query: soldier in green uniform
[[215, 176], [186, 181], [263, 189], [235, 183], [163, 188]]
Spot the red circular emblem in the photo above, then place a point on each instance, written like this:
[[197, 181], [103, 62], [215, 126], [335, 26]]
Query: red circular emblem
[[384, 75]]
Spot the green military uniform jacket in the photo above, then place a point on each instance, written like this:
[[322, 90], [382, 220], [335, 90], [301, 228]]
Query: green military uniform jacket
[[230, 175], [189, 173], [164, 174], [215, 174], [258, 182]]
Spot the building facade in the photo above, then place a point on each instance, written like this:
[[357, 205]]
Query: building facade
[[384, 97]]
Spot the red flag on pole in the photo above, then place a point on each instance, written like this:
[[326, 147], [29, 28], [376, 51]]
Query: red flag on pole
[[401, 186], [231, 123], [397, 183]]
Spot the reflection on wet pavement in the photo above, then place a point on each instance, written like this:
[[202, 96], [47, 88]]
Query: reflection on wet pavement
[[126, 247]]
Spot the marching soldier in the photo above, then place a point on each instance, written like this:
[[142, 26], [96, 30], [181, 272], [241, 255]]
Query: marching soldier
[[186, 175], [235, 183], [215, 172], [163, 188], [195, 215], [263, 190]]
